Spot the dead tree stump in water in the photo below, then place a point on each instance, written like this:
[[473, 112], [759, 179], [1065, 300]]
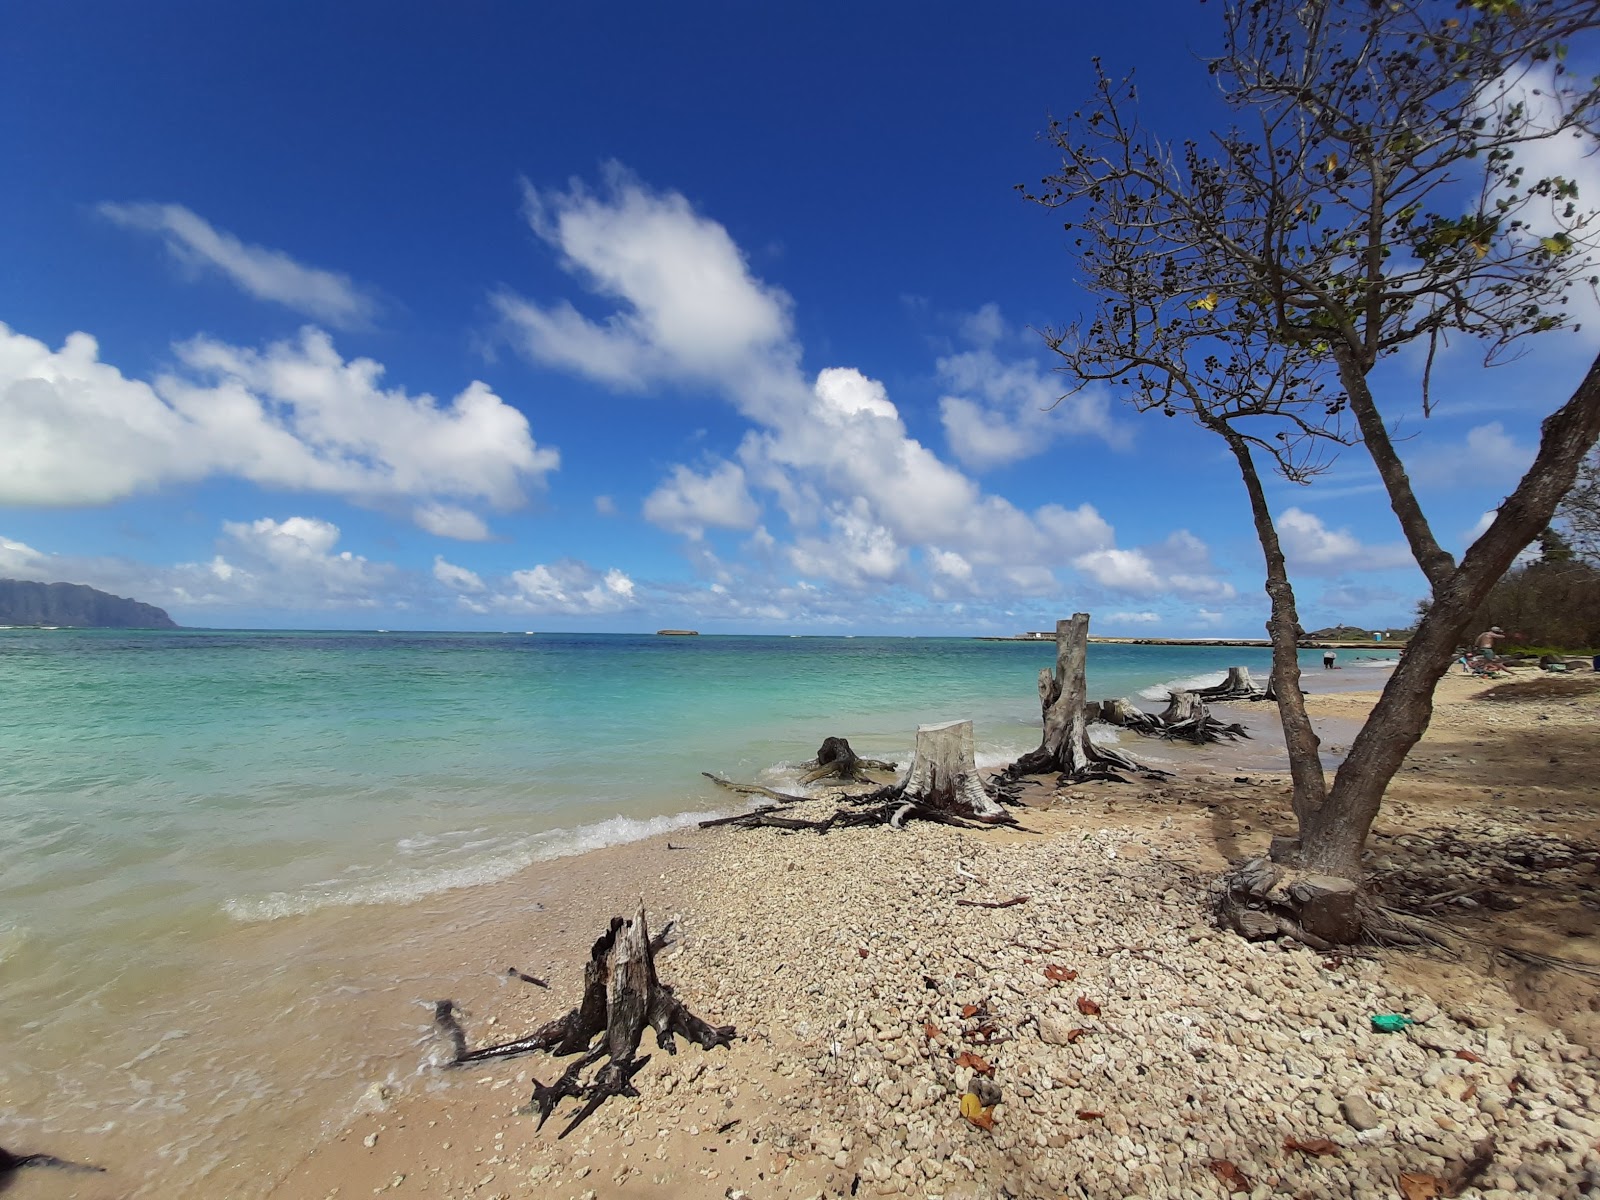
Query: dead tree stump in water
[[621, 996], [1189, 720], [1065, 747], [1125, 715], [835, 758], [1237, 686]]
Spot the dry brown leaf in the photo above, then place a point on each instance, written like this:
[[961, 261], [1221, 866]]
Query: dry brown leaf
[[1314, 1146], [1088, 1007], [1086, 1114], [973, 1110], [1059, 974], [1468, 1056], [1232, 1178], [970, 1010], [929, 1028], [1416, 1185], [1074, 1034], [981, 1065], [1472, 1090], [861, 950]]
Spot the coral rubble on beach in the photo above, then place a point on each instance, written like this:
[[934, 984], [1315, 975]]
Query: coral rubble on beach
[[1139, 1051]]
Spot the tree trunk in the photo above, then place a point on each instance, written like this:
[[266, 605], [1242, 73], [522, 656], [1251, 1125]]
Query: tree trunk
[[944, 773], [1332, 838], [1310, 785], [621, 997], [1065, 746]]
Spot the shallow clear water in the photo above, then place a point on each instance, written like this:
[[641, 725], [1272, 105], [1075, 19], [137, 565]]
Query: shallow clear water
[[164, 793]]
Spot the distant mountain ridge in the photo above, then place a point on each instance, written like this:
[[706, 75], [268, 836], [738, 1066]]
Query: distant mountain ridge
[[24, 602]]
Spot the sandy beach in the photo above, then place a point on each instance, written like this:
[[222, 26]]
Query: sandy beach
[[1176, 1061]]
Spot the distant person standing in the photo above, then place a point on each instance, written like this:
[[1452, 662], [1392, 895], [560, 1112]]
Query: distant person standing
[[1487, 639], [1328, 658]]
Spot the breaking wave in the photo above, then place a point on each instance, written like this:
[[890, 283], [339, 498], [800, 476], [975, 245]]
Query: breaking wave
[[406, 885]]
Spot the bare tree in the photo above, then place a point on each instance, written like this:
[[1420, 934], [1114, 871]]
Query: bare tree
[[1371, 195]]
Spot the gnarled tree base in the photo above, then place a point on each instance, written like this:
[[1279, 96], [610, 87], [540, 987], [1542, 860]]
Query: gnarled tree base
[[621, 996], [1185, 719], [1237, 686], [836, 760], [942, 785], [1262, 900], [1188, 719]]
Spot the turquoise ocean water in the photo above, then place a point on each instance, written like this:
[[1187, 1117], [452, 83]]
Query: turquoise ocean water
[[162, 791]]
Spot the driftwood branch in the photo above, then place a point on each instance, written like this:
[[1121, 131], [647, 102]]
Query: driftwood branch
[[754, 789]]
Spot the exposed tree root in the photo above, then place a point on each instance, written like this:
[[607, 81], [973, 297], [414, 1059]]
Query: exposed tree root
[[754, 789], [894, 812], [1185, 719], [621, 996]]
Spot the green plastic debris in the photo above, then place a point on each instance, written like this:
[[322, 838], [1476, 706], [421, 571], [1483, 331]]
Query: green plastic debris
[[1391, 1022]]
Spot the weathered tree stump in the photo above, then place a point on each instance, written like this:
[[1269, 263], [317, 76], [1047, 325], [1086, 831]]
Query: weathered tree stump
[[944, 774], [1066, 747], [942, 785], [1125, 714], [1187, 719], [836, 759], [621, 996], [1237, 686]]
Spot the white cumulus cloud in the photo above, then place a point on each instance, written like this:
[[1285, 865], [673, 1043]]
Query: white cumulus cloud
[[295, 416], [567, 587], [997, 412], [866, 502], [1309, 545], [458, 579], [257, 270], [690, 502]]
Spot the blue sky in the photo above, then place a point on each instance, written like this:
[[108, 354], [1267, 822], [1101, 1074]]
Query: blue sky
[[504, 316]]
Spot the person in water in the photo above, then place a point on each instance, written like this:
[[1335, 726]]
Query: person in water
[[1328, 658]]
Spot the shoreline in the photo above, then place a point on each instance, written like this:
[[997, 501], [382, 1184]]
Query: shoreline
[[1248, 643], [743, 899], [819, 950]]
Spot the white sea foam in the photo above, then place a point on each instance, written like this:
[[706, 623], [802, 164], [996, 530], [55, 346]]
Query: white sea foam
[[1193, 683], [405, 886]]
